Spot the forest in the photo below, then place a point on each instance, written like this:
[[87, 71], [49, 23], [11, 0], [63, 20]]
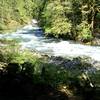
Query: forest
[[69, 19], [27, 74]]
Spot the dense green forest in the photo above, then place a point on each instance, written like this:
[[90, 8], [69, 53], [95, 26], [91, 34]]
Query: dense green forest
[[68, 19]]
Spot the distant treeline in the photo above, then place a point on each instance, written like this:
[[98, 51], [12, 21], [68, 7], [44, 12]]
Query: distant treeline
[[69, 19]]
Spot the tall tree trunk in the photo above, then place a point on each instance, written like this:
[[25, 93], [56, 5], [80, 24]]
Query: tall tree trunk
[[92, 21], [93, 16]]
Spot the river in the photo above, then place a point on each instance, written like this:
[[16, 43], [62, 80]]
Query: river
[[33, 38]]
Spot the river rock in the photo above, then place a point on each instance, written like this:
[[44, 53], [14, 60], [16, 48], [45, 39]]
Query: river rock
[[81, 63]]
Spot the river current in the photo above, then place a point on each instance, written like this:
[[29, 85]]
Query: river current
[[33, 39]]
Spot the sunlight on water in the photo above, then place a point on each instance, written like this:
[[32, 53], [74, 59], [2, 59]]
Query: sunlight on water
[[32, 38]]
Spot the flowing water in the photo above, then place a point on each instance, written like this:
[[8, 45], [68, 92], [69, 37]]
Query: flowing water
[[32, 38]]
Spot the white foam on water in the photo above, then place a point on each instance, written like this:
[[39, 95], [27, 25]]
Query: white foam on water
[[52, 47]]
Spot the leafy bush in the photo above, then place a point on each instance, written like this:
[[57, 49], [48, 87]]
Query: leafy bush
[[60, 26], [84, 32], [12, 53], [54, 75], [55, 22]]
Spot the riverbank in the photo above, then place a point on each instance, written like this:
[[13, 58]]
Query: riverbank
[[13, 25], [58, 78], [33, 39]]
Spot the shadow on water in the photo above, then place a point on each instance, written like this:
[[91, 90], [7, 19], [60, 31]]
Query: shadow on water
[[36, 32], [40, 34]]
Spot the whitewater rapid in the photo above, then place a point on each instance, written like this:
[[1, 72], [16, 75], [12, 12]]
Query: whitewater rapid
[[33, 39]]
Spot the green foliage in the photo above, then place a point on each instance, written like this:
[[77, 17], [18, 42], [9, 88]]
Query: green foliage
[[61, 27], [84, 32], [54, 75], [12, 54], [98, 16], [59, 18], [18, 11], [7, 54], [23, 66], [55, 21], [95, 77], [62, 18], [2, 26], [9, 41], [29, 64]]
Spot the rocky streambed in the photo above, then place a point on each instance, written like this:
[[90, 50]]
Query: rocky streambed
[[69, 54], [83, 63]]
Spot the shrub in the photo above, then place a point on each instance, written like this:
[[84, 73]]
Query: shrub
[[13, 53], [55, 22], [84, 32]]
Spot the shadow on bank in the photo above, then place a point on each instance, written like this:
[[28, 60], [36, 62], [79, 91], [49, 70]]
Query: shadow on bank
[[18, 82]]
